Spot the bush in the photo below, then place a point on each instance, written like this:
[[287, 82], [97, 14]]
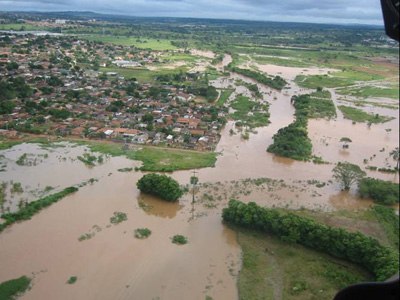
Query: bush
[[118, 217], [142, 233], [179, 239], [9, 289], [161, 186], [381, 260], [381, 191], [72, 280]]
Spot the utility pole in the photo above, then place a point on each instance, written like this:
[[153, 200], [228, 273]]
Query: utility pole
[[194, 180]]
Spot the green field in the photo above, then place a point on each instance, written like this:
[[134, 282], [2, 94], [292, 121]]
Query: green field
[[21, 27], [225, 94], [142, 75], [370, 92], [273, 269], [280, 61], [156, 159], [249, 113], [147, 43], [358, 115], [315, 81], [178, 56]]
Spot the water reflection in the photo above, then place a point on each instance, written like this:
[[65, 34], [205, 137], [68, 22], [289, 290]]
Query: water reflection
[[157, 207]]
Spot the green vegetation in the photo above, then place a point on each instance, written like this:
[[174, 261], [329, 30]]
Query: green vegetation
[[88, 159], [125, 170], [309, 107], [17, 188], [381, 191], [21, 160], [389, 221], [358, 115], [370, 92], [26, 212], [277, 82], [147, 43], [72, 280], [249, 113], [315, 81], [157, 159], [352, 246], [118, 217], [292, 141], [142, 233], [161, 186], [266, 256], [347, 174], [10, 289], [320, 93], [225, 94], [179, 239]]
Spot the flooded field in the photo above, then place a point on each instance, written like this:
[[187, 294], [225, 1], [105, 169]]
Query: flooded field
[[110, 263]]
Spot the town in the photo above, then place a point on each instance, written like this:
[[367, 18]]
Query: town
[[60, 91]]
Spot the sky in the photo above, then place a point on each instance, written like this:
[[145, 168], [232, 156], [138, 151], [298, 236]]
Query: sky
[[310, 11]]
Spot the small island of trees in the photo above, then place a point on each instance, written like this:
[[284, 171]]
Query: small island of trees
[[161, 186]]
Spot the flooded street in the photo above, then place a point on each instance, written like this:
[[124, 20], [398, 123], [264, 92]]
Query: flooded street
[[113, 264]]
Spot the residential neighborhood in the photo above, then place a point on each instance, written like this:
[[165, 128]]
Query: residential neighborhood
[[55, 87]]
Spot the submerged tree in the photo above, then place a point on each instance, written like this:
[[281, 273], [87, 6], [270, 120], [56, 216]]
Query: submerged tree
[[345, 140], [348, 174], [395, 154], [161, 186]]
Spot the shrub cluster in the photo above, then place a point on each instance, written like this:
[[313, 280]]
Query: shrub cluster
[[161, 186], [11, 288], [26, 212], [381, 191], [277, 82], [381, 260], [292, 141]]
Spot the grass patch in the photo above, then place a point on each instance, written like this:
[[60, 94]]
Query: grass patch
[[157, 159], [370, 92], [358, 115], [10, 289], [146, 43], [225, 94], [389, 221], [315, 81], [280, 61], [141, 74], [271, 267], [142, 233], [249, 113]]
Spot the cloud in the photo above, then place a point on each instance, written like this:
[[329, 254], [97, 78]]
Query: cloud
[[323, 11]]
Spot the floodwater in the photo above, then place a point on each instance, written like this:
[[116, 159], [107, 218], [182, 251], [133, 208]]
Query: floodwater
[[112, 264]]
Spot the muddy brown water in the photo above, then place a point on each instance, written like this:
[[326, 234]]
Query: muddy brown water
[[112, 264]]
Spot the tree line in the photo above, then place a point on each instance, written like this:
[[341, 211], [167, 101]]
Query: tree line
[[381, 260]]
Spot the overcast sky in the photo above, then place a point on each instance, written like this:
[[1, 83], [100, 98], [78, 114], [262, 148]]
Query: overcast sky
[[313, 11]]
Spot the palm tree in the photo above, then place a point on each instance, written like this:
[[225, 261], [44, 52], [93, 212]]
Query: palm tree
[[395, 154]]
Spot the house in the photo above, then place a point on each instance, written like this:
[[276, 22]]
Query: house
[[140, 138]]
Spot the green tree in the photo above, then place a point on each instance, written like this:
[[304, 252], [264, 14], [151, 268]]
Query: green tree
[[161, 186], [348, 174]]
